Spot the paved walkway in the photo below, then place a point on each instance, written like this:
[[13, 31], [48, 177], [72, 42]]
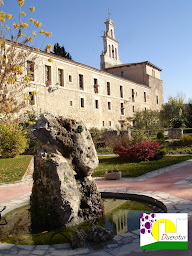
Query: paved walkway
[[171, 185]]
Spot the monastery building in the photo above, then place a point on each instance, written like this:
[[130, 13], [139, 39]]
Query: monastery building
[[100, 98]]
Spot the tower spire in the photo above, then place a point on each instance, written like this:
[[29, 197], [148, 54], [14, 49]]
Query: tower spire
[[110, 55], [109, 14]]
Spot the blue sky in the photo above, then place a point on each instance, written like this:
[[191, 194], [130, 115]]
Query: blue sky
[[159, 31]]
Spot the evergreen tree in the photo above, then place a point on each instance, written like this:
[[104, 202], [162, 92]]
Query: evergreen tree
[[60, 51]]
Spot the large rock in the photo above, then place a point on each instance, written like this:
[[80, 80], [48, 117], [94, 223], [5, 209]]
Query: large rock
[[63, 192], [78, 239], [98, 234]]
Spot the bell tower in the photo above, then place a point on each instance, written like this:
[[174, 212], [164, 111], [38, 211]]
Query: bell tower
[[110, 55]]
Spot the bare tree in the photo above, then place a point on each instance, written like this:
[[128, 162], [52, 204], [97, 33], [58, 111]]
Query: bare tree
[[17, 40]]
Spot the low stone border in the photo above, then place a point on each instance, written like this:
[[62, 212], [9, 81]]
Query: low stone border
[[120, 245], [29, 171], [135, 197]]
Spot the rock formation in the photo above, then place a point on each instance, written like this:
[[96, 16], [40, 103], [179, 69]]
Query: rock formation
[[64, 194], [98, 234], [78, 239]]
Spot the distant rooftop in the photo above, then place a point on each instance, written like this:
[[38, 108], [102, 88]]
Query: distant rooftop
[[136, 63]]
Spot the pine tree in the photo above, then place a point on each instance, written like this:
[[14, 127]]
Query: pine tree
[[60, 51]]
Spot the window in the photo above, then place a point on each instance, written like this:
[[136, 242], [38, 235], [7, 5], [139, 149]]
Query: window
[[145, 109], [109, 123], [60, 77], [81, 82], [122, 109], [30, 70], [133, 108], [122, 74], [96, 104], [71, 103], [157, 99], [133, 95], [111, 33], [48, 74], [32, 98], [82, 103], [103, 123], [145, 97], [109, 50], [96, 89], [109, 105], [121, 91], [108, 89], [70, 78], [112, 51]]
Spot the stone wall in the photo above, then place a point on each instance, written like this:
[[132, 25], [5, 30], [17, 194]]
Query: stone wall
[[175, 133]]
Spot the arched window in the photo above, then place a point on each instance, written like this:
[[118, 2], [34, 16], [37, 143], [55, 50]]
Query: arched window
[[116, 53], [109, 50], [111, 33], [112, 51]]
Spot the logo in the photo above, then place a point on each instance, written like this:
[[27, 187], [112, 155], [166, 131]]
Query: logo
[[164, 231]]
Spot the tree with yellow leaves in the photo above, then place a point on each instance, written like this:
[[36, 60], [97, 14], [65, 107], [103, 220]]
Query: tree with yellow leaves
[[17, 46]]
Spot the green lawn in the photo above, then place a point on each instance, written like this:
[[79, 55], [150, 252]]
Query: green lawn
[[107, 163], [13, 169]]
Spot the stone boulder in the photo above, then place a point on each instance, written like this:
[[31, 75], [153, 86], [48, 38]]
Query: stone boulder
[[78, 239], [63, 194], [98, 234]]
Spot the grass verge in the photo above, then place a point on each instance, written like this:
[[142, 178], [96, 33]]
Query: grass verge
[[107, 163], [13, 169]]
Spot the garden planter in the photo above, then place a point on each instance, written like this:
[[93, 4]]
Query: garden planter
[[110, 175]]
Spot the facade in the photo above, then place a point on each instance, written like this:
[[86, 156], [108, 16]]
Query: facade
[[100, 98]]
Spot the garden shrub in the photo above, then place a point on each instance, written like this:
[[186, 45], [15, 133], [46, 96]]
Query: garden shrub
[[160, 136], [175, 143], [141, 151], [186, 140], [160, 152], [12, 140]]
